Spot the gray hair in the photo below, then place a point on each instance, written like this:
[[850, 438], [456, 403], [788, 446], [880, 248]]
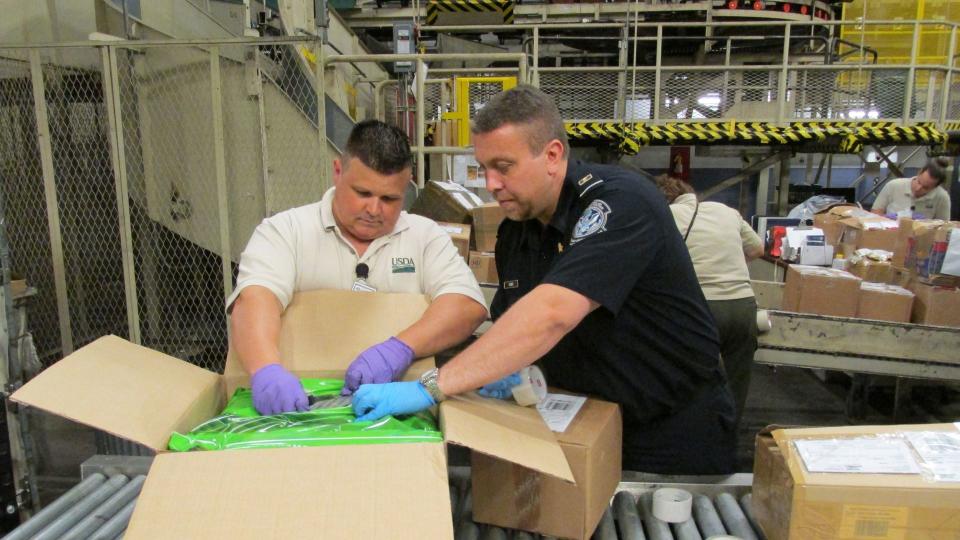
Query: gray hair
[[530, 109]]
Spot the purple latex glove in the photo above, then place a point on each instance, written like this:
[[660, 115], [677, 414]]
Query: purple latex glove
[[276, 390], [374, 401], [382, 363]]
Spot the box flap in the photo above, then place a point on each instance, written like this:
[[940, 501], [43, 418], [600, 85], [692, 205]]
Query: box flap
[[500, 429], [364, 491], [127, 390], [323, 331]]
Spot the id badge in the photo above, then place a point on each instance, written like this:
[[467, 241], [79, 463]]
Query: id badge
[[361, 285]]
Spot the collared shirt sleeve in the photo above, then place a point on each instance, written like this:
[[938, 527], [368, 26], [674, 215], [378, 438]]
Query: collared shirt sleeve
[[750, 240], [445, 271], [943, 204], [614, 248], [269, 260], [883, 199]]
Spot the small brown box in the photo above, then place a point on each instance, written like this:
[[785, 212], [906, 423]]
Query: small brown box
[[486, 221], [934, 305], [460, 235], [884, 302], [445, 201], [508, 495], [871, 270], [824, 291], [484, 266]]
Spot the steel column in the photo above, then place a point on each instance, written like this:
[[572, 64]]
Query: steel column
[[220, 170]]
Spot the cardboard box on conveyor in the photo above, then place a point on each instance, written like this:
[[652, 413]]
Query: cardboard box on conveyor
[[892, 482], [363, 491]]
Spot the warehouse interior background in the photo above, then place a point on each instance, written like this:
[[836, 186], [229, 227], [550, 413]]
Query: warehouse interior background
[[141, 142]]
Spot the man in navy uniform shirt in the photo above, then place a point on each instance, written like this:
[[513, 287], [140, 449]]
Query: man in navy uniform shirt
[[596, 284]]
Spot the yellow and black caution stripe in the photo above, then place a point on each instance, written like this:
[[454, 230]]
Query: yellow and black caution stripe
[[846, 136], [951, 126], [435, 7]]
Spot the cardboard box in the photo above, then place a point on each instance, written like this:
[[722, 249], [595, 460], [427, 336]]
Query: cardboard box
[[900, 277], [344, 491], [790, 503], [870, 270], [829, 222], [907, 232], [486, 222], [445, 201], [824, 291], [484, 266], [508, 495], [460, 235], [935, 305], [883, 302], [862, 229], [936, 255]]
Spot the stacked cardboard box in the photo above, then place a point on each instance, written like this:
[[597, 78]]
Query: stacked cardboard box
[[446, 201], [486, 222], [484, 267], [460, 235], [936, 305], [884, 302], [823, 291], [792, 503], [862, 229], [829, 222], [871, 265], [152, 394]]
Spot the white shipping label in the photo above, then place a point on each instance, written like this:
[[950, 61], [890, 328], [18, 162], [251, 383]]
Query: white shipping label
[[940, 453], [558, 410], [863, 455]]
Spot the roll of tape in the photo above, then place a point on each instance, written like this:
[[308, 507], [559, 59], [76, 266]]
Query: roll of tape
[[672, 505], [532, 388], [763, 321]]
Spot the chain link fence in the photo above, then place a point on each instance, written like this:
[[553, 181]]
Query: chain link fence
[[161, 161]]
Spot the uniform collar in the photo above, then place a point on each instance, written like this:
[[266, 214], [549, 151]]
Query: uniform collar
[[328, 222], [532, 230]]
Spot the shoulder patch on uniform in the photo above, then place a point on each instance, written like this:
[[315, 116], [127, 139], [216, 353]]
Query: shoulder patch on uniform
[[593, 220]]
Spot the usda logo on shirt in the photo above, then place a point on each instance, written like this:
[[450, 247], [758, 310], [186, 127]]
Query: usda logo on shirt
[[403, 265]]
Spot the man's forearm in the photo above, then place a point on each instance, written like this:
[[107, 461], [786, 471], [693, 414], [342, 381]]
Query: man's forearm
[[255, 328], [527, 331], [449, 320]]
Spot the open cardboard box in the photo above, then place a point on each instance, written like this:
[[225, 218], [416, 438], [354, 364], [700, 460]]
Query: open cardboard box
[[366, 491]]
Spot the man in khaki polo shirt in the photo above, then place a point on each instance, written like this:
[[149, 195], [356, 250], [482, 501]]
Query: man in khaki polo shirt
[[923, 195], [357, 237]]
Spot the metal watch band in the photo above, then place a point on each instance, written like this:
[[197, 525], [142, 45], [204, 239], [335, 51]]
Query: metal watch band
[[429, 381]]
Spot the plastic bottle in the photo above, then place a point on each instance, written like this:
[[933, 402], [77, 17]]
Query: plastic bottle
[[839, 262]]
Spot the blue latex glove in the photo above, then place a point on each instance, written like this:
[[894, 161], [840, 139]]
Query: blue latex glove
[[501, 389], [382, 363], [374, 401], [276, 390]]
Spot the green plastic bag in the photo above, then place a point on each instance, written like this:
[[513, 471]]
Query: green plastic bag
[[241, 426]]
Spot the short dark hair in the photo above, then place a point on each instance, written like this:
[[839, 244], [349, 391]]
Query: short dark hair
[[529, 108], [937, 168], [379, 146], [672, 187]]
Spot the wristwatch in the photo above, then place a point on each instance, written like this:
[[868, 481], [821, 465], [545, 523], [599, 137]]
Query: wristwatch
[[429, 381]]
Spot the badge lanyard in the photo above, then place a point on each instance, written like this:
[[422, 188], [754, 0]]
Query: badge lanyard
[[360, 284]]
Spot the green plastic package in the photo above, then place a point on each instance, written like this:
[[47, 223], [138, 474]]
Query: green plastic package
[[241, 426]]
